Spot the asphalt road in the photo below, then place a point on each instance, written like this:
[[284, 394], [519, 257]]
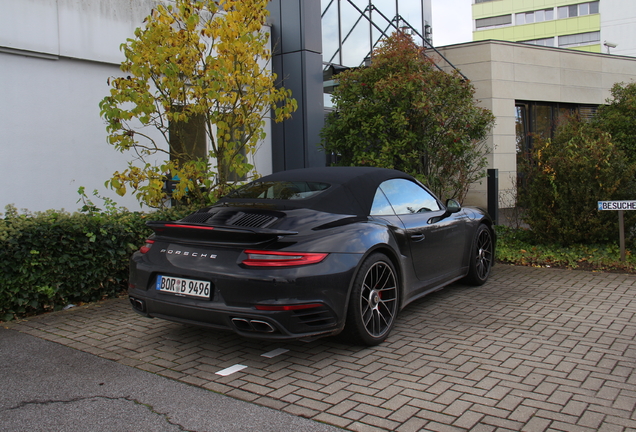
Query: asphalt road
[[49, 387]]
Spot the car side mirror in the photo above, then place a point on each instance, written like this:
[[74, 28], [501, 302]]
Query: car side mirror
[[452, 206]]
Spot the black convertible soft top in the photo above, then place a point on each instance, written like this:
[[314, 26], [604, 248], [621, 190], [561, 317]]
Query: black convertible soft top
[[351, 190]]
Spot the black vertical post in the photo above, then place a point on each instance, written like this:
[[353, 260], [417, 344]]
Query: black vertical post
[[297, 61], [621, 233], [493, 194]]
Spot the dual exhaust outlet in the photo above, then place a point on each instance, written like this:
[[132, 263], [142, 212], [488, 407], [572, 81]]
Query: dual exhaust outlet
[[251, 325], [240, 323], [137, 304]]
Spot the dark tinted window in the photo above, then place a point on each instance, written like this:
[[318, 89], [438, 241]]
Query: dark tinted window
[[407, 197], [279, 190], [594, 7]]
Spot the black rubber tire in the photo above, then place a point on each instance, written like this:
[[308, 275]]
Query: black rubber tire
[[481, 257], [374, 302]]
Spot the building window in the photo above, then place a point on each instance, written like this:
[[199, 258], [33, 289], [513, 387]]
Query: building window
[[534, 17], [496, 21], [587, 112], [188, 139], [540, 120], [549, 42], [580, 39], [593, 8], [581, 9]]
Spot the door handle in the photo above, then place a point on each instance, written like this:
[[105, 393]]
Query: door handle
[[417, 237]]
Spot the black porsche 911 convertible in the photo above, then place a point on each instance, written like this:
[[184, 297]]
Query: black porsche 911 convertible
[[311, 252]]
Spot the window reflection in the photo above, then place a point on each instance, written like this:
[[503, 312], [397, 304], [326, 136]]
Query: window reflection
[[348, 35], [407, 197], [381, 205]]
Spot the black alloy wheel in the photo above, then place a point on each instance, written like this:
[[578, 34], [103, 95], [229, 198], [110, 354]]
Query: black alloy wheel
[[374, 304], [482, 256]]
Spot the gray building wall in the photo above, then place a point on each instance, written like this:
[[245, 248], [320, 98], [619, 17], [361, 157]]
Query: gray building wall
[[297, 48]]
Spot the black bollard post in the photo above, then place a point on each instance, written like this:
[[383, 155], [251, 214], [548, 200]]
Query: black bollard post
[[493, 194]]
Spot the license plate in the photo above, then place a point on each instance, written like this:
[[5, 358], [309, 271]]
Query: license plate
[[183, 287]]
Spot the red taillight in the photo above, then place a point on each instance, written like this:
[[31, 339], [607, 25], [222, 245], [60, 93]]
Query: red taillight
[[287, 307], [145, 248], [256, 258]]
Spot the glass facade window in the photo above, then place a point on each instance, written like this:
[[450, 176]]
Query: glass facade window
[[573, 11], [593, 8], [520, 18], [562, 12], [580, 9], [540, 119], [351, 29], [580, 39], [541, 42], [496, 21], [539, 16], [534, 17], [549, 14]]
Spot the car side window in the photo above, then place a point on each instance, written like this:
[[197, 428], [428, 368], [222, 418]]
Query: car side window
[[407, 197], [381, 205]]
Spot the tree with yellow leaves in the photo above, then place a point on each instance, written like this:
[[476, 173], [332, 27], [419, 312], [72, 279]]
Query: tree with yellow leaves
[[197, 73]]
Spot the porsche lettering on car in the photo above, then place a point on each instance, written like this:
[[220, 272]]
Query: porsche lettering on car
[[309, 253]]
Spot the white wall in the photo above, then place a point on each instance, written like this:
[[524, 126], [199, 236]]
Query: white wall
[[618, 25], [53, 139], [55, 58]]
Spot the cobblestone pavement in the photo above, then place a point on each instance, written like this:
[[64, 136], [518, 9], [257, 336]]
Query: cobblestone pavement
[[533, 349]]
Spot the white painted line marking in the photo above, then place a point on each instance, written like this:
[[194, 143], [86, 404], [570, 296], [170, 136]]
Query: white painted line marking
[[231, 370], [274, 353]]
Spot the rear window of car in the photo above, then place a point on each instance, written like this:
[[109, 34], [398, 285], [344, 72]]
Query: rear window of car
[[279, 190]]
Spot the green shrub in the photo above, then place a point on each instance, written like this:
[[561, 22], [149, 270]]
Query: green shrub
[[51, 259], [566, 177], [402, 112], [617, 118], [520, 247]]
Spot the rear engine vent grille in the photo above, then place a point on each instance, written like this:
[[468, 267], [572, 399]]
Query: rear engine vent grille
[[198, 217], [254, 220]]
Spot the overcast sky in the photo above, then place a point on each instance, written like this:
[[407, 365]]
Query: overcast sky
[[452, 22]]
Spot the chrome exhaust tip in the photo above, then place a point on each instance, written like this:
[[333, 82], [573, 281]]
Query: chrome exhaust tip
[[258, 326], [242, 324], [137, 304], [262, 326]]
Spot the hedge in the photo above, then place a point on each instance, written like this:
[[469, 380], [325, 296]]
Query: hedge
[[51, 259]]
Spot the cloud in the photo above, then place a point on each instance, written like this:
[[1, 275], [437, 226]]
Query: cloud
[[452, 21]]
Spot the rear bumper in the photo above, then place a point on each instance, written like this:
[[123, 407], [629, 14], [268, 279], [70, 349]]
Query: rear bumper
[[250, 323], [313, 299]]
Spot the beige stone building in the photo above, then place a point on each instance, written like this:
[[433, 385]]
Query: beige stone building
[[527, 88]]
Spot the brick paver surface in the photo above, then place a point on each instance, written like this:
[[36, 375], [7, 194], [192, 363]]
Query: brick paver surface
[[532, 350]]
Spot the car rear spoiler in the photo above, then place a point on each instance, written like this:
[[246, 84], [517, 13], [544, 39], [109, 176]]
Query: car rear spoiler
[[214, 233]]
